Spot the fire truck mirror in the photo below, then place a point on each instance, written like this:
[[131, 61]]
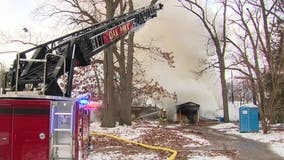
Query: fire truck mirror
[[42, 136]]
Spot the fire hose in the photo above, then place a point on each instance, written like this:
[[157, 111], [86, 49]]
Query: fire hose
[[172, 157]]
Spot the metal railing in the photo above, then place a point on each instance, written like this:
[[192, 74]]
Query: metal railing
[[18, 67], [44, 69]]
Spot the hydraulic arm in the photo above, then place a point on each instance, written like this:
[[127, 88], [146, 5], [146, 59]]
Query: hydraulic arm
[[54, 58]]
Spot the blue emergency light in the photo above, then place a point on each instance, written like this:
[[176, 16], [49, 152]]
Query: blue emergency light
[[83, 101]]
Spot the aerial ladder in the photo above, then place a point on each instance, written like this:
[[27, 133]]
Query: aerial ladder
[[52, 59], [38, 119]]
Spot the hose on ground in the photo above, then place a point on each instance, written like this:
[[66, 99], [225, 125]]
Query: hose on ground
[[172, 157]]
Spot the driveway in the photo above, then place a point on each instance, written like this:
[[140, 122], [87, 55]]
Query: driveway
[[246, 149]]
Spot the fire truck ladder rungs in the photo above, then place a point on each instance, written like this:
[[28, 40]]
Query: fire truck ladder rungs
[[62, 135]]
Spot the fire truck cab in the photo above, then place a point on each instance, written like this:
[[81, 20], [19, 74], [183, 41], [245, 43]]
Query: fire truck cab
[[43, 128]]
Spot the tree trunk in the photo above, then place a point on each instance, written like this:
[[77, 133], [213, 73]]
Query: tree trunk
[[129, 78], [122, 75], [253, 87], [125, 87], [98, 84], [262, 99], [221, 57], [108, 116], [224, 88], [108, 111], [126, 77]]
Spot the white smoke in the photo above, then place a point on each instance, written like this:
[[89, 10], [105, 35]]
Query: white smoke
[[177, 30]]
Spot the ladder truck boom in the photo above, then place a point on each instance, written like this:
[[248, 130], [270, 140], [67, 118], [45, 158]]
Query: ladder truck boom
[[59, 56]]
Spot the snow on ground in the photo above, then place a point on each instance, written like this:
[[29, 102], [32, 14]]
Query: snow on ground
[[111, 155], [224, 127], [137, 130], [129, 132], [201, 155], [202, 142], [274, 138], [173, 136], [208, 158]]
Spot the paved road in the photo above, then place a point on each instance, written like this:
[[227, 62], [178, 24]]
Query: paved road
[[247, 149]]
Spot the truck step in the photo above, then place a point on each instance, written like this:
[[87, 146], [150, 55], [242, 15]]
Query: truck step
[[61, 145], [62, 129], [63, 114]]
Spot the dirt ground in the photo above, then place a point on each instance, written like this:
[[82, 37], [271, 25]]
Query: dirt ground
[[231, 146]]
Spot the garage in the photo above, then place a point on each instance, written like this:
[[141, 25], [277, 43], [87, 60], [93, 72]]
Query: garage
[[188, 113]]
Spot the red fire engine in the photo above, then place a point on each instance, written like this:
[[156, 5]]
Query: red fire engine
[[38, 119], [42, 127]]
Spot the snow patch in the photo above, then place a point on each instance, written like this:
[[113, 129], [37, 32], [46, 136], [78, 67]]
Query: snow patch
[[225, 126], [198, 141], [173, 126], [278, 148], [128, 132], [208, 158], [110, 155]]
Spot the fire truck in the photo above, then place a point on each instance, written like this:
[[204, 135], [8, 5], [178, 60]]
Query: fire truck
[[38, 119]]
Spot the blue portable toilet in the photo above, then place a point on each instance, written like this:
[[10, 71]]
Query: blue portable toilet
[[248, 119]]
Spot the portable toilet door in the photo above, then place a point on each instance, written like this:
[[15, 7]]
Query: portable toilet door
[[253, 119], [244, 119]]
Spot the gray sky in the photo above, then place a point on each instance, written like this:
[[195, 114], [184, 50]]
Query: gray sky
[[14, 16], [16, 13]]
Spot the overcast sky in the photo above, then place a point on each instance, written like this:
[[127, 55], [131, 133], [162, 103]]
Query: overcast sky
[[16, 13], [14, 16]]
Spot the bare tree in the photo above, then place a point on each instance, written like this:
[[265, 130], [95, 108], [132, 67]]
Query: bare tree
[[218, 40], [24, 39], [260, 50]]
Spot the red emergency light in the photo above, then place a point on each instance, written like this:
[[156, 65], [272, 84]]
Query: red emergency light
[[93, 105]]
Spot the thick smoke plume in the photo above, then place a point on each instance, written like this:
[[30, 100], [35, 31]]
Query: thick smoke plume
[[177, 30]]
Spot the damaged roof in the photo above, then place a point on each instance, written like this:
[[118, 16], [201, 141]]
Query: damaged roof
[[187, 107]]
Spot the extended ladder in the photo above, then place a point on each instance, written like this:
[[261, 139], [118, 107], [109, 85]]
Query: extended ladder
[[62, 130], [76, 49]]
